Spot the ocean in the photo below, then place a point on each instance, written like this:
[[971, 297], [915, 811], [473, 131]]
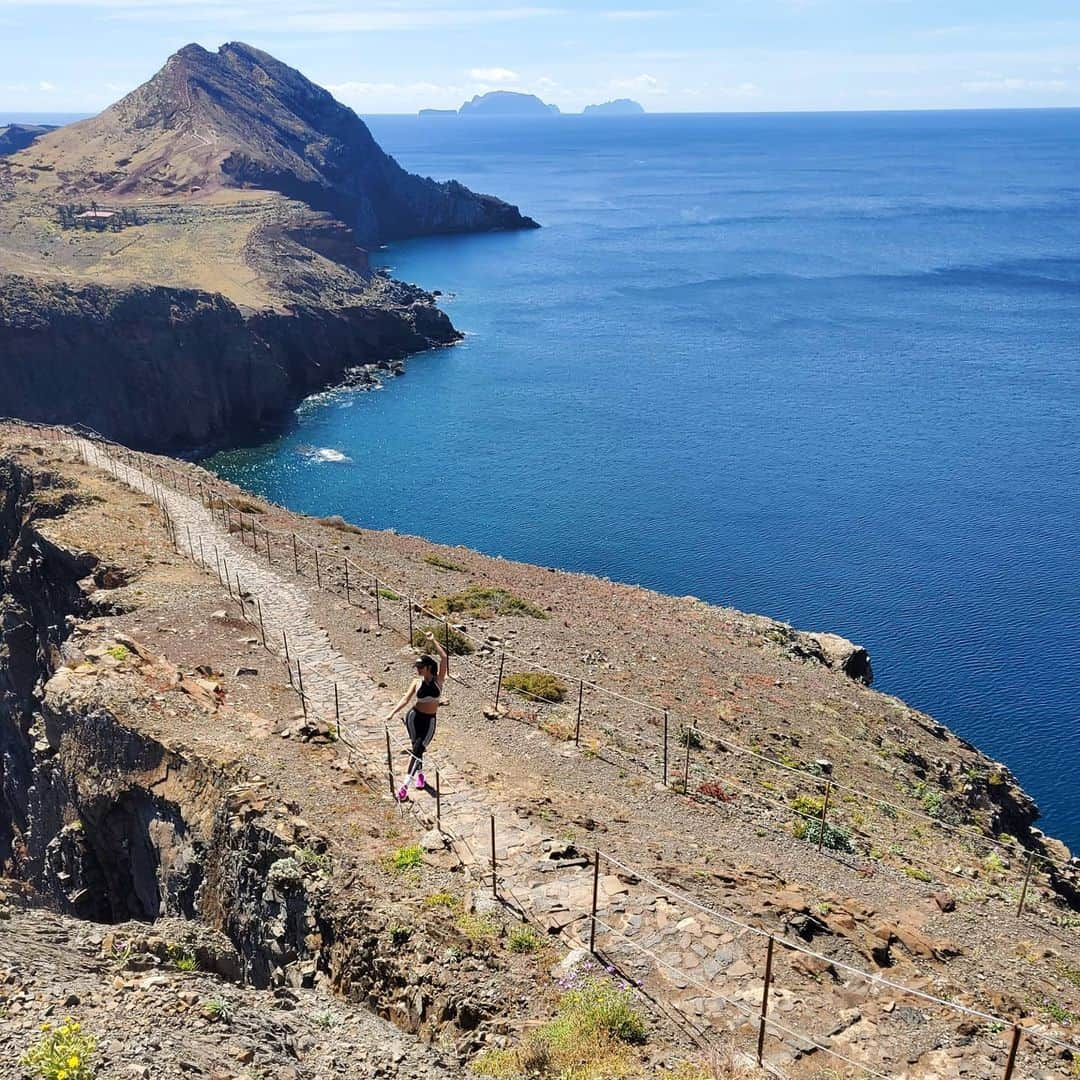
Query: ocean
[[822, 367]]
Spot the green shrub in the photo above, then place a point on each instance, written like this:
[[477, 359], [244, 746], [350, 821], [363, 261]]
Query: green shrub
[[118, 652], [443, 564], [442, 900], [918, 874], [453, 641], [313, 861], [218, 1008], [62, 1053], [588, 1039], [835, 839], [535, 685], [477, 927], [398, 934], [485, 601], [524, 939], [690, 736], [406, 858], [810, 805]]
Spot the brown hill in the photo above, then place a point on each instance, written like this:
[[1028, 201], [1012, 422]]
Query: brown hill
[[240, 118]]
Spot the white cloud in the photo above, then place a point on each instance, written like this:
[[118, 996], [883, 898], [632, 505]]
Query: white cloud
[[494, 74], [1012, 86], [46, 87]]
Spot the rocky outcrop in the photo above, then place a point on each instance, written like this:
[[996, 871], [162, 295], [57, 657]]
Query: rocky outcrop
[[120, 360], [16, 137]]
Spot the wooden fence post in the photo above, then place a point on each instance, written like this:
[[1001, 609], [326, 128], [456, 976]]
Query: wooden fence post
[[577, 722], [1010, 1065], [765, 1000], [288, 662], [1027, 881], [494, 872], [686, 767], [824, 811], [665, 746], [390, 764], [595, 897], [262, 625], [318, 575], [498, 685]]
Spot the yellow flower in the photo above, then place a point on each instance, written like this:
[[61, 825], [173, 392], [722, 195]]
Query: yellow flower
[[73, 1062], [62, 1075], [46, 1027]]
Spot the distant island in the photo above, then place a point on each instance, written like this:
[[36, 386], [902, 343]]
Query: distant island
[[506, 103], [618, 107], [513, 103]]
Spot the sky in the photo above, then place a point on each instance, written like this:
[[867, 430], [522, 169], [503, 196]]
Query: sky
[[394, 56]]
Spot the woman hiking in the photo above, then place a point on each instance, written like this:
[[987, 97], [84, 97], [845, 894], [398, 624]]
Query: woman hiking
[[425, 693]]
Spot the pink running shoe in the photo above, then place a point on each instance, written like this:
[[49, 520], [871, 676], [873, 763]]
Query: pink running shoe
[[403, 794], [419, 781]]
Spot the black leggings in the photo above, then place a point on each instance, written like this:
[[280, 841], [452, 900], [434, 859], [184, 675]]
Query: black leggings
[[421, 729]]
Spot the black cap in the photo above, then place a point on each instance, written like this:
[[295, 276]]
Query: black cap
[[426, 661]]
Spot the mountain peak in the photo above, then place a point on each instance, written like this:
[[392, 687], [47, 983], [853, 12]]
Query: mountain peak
[[241, 118]]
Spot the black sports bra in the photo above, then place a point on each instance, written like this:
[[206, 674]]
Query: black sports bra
[[428, 691]]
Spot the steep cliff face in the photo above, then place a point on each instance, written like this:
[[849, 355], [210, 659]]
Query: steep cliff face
[[143, 350]]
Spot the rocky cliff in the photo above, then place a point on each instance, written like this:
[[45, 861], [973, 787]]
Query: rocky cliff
[[204, 241], [120, 360]]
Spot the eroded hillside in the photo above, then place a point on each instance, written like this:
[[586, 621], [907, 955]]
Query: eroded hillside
[[157, 764]]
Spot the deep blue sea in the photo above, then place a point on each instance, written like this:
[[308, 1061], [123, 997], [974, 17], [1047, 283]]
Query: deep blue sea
[[823, 367]]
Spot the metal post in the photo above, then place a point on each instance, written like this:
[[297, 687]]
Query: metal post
[[217, 562], [665, 746], [300, 681], [295, 554], [288, 662], [824, 811], [318, 576], [202, 552], [765, 1000], [240, 597], [191, 546], [378, 603], [1027, 881], [390, 764], [577, 723], [438, 801], [408, 604], [686, 767], [494, 875], [269, 557], [348, 594], [337, 711], [498, 685], [1011, 1063], [225, 563], [595, 897], [446, 642], [262, 625]]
